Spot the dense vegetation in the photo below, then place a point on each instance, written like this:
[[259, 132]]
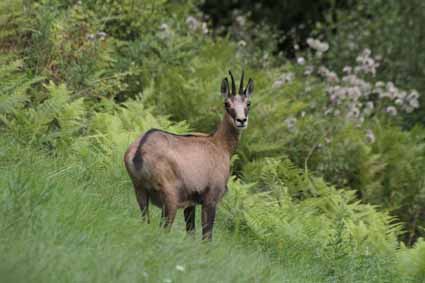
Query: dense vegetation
[[326, 183], [391, 28]]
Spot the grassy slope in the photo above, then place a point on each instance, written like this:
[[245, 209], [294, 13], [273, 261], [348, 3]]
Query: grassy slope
[[70, 221]]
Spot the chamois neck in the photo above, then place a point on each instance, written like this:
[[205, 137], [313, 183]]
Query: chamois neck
[[226, 135]]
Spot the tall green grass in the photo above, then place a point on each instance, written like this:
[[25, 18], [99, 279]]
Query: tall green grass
[[70, 219]]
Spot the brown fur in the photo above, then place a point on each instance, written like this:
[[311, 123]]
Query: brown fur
[[180, 171]]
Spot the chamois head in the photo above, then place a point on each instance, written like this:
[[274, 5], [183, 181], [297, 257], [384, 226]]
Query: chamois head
[[237, 104]]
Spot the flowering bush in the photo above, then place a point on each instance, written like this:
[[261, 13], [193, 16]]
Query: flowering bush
[[355, 94], [390, 28], [348, 130]]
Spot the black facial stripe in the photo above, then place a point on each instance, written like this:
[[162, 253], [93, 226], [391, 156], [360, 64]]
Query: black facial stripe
[[231, 112]]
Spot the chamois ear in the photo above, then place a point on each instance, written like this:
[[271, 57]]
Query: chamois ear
[[225, 88], [249, 88]]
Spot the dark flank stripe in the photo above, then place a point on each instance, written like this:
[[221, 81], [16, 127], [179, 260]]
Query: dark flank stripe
[[138, 159]]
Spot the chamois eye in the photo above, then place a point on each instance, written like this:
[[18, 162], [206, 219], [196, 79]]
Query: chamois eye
[[227, 104], [248, 104]]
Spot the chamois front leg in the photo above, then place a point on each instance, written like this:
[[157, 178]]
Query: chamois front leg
[[169, 211], [208, 218], [143, 201], [189, 218]]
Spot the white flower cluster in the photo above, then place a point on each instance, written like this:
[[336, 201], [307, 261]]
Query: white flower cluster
[[165, 31], [366, 64], [319, 46], [358, 98], [406, 101], [241, 20], [242, 43], [370, 136], [196, 25], [300, 61], [331, 77]]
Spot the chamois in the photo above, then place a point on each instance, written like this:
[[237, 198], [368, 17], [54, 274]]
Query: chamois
[[179, 171]]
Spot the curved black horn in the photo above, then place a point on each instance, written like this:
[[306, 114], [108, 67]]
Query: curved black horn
[[233, 84], [241, 85]]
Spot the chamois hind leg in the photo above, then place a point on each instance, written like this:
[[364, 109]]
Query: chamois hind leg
[[189, 218], [208, 218], [143, 200]]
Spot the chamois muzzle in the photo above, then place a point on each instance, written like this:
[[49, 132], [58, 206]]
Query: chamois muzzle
[[241, 123]]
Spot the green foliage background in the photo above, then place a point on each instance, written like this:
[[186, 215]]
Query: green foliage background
[[79, 81]]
